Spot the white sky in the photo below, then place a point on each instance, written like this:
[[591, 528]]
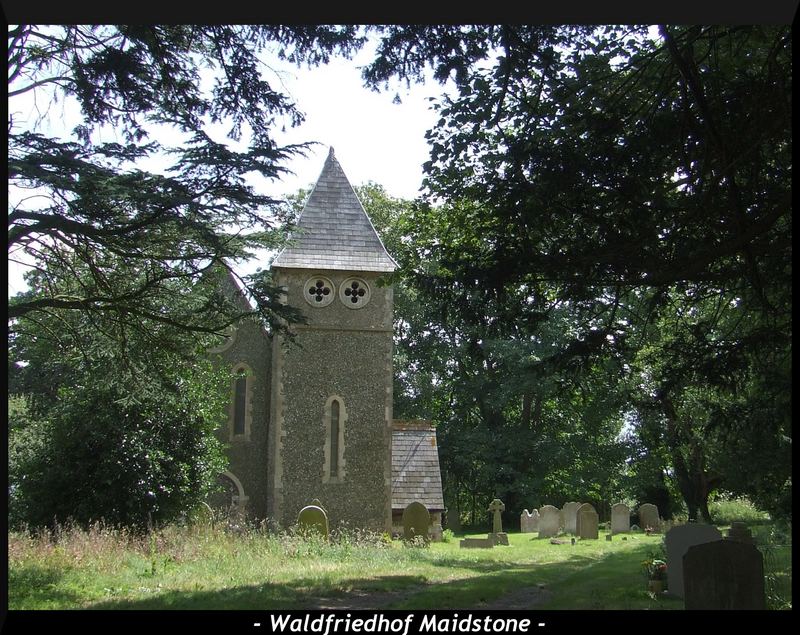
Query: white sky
[[374, 139]]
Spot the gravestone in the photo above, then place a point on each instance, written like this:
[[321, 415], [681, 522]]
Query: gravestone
[[416, 521], [740, 533], [620, 519], [496, 507], [588, 521], [476, 543], [725, 574], [677, 541], [570, 514], [313, 519], [548, 521], [203, 515], [498, 535], [648, 517], [529, 522], [316, 502], [583, 508]]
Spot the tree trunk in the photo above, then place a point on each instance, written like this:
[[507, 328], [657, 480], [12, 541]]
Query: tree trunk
[[688, 461]]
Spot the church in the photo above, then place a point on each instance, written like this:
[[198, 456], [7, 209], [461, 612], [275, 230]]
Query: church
[[311, 418]]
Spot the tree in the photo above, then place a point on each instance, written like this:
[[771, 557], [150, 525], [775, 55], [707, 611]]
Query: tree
[[513, 419], [715, 403], [123, 434], [103, 205], [623, 173]]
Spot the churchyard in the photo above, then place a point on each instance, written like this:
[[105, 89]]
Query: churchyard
[[213, 567]]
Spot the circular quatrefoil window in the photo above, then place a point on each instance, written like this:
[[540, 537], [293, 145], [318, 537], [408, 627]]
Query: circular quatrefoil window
[[354, 293], [318, 291]]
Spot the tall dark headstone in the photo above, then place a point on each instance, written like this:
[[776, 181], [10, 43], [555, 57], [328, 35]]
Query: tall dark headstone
[[677, 542], [723, 575]]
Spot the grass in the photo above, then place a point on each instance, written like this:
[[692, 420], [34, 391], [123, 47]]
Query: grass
[[209, 568]]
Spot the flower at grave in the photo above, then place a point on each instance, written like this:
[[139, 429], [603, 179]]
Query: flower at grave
[[655, 569]]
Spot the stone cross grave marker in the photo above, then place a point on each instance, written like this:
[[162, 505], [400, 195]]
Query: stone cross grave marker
[[570, 513], [498, 535], [203, 515], [313, 519], [677, 541], [416, 521], [548, 521], [740, 532], [725, 574], [496, 507], [586, 507], [648, 517], [620, 519]]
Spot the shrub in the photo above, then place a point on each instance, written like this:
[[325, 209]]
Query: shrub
[[725, 510]]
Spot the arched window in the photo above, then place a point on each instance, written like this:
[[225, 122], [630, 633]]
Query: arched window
[[239, 403], [241, 415], [335, 438], [334, 422]]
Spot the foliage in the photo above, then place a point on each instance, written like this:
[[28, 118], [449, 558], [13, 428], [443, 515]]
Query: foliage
[[132, 245], [726, 510], [118, 433], [632, 187], [497, 414], [110, 206]]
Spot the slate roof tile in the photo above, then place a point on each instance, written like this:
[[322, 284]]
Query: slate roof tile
[[415, 468], [334, 231]]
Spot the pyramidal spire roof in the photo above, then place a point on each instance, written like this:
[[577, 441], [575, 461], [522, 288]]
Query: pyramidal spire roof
[[334, 231]]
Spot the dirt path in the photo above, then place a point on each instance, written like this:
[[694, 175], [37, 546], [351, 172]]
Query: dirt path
[[524, 598]]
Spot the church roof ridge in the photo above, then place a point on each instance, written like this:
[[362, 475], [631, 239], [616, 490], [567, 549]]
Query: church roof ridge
[[335, 231]]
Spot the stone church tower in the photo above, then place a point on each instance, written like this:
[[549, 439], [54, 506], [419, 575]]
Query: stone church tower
[[330, 419]]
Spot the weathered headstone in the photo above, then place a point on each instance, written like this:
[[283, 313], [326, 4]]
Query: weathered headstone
[[725, 574], [476, 543], [548, 521], [677, 541], [313, 519], [529, 522], [588, 521], [648, 517], [316, 502], [498, 535], [416, 521], [570, 515], [583, 508], [620, 519], [740, 533]]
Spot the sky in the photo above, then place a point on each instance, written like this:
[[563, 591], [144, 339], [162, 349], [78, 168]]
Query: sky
[[374, 138]]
